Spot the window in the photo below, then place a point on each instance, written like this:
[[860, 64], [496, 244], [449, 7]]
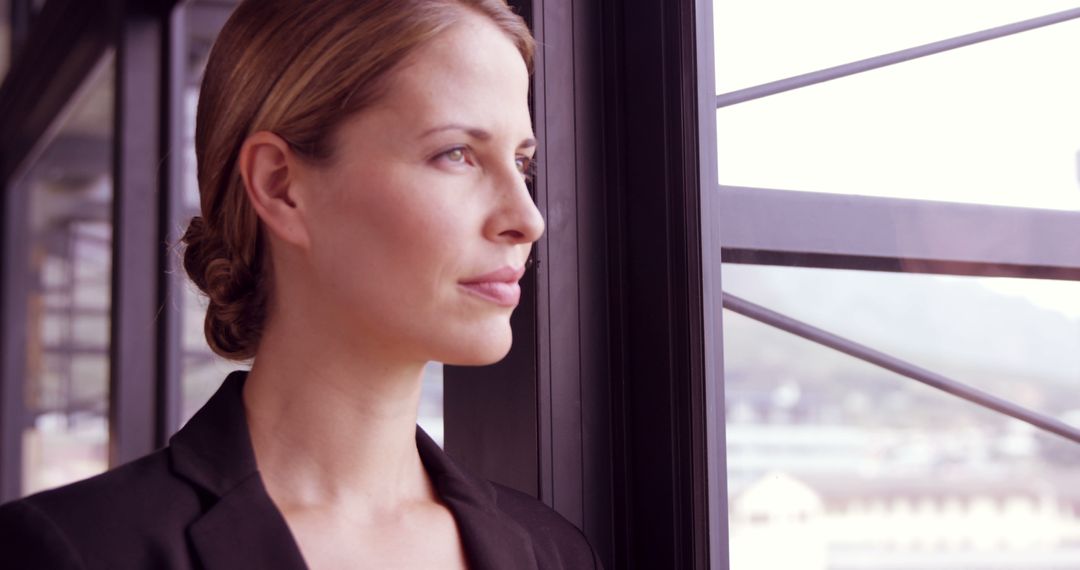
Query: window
[[64, 248], [915, 212]]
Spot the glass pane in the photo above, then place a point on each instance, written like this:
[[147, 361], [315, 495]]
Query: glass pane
[[993, 123], [850, 467], [67, 281], [431, 402], [758, 41], [1015, 338], [203, 371]]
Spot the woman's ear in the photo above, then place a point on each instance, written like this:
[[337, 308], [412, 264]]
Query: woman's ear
[[268, 168]]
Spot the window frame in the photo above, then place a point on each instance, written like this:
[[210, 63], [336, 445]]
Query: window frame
[[810, 229]]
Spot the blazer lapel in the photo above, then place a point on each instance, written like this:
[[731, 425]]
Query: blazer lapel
[[245, 530], [241, 527], [492, 540]]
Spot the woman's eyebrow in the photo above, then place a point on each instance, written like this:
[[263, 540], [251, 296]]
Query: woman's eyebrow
[[474, 132]]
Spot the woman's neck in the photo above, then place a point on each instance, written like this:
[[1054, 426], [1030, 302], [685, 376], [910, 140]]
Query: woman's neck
[[332, 432]]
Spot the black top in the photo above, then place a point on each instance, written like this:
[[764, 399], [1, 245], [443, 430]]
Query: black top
[[200, 503]]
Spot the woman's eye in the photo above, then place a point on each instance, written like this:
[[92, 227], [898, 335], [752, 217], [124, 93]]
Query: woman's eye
[[526, 166], [456, 156]]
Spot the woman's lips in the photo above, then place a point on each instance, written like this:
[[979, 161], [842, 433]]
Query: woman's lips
[[498, 292], [499, 286]]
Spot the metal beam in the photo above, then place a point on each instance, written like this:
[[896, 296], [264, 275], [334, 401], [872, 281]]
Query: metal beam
[[137, 235], [901, 367], [14, 290], [712, 293], [823, 75], [780, 227], [68, 38]]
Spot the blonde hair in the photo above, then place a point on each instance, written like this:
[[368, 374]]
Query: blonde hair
[[297, 68]]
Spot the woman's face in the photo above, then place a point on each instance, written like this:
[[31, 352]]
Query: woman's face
[[421, 226]]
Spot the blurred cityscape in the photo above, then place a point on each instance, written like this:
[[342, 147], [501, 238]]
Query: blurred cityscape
[[834, 464]]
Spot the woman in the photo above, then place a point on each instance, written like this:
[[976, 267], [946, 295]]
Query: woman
[[362, 168]]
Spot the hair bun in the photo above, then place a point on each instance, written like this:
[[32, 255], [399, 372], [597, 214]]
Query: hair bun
[[193, 240], [236, 307]]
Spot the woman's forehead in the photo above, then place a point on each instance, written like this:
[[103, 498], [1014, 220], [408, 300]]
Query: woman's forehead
[[471, 76], [470, 56]]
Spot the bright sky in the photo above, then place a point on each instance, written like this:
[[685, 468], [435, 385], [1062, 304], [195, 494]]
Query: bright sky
[[1060, 296], [994, 123]]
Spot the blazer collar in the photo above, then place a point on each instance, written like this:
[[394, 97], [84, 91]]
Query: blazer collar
[[492, 540], [243, 528], [213, 450]]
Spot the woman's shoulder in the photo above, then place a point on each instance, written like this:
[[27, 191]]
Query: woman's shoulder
[[135, 494], [29, 538], [129, 511], [552, 535]]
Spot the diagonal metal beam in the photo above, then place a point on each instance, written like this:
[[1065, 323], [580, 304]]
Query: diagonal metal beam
[[828, 74], [902, 367]]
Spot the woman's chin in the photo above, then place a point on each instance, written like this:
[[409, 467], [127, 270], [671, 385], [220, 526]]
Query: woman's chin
[[483, 351]]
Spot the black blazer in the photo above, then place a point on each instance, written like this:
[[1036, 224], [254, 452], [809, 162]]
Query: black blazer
[[200, 503]]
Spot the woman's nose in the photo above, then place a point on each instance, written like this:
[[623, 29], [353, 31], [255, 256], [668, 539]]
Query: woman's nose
[[516, 218]]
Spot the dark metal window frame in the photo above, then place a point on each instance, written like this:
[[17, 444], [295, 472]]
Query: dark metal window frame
[[609, 407], [140, 214]]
